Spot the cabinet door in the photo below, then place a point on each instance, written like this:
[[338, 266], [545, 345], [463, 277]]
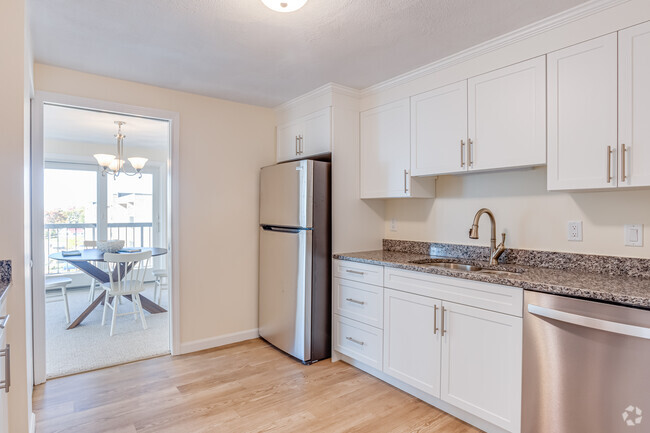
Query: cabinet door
[[634, 106], [507, 117], [582, 115], [317, 135], [4, 414], [412, 340], [439, 131], [288, 145], [481, 364], [385, 150]]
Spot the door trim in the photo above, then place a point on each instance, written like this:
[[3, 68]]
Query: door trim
[[172, 214]]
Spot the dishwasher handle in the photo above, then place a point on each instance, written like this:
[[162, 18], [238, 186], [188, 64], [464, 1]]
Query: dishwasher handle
[[590, 322]]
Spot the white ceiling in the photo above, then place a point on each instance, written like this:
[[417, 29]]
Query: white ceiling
[[96, 127], [242, 51]]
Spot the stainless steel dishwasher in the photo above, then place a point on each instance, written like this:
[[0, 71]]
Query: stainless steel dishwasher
[[586, 366]]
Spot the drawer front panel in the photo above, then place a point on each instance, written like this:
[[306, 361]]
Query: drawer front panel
[[493, 297], [359, 301], [361, 272], [358, 341]]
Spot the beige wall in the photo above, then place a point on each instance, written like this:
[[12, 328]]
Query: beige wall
[[14, 123], [532, 217], [222, 147]]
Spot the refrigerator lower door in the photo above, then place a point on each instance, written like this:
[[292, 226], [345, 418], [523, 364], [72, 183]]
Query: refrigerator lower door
[[285, 289]]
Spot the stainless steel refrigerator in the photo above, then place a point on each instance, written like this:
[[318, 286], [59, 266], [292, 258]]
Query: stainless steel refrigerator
[[295, 259]]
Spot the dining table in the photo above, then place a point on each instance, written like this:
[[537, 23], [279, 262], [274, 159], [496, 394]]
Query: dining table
[[86, 261]]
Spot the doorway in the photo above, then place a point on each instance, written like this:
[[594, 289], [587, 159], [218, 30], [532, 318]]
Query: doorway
[[75, 204]]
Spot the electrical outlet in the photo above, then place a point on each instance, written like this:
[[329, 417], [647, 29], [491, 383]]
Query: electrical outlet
[[574, 231], [393, 225]]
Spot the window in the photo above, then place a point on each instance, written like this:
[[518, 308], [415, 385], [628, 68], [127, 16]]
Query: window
[[82, 205]]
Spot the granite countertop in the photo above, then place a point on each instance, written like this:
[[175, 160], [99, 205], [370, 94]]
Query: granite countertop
[[619, 288], [5, 277]]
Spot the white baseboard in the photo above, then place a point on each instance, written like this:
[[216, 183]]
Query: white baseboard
[[32, 423], [220, 340]]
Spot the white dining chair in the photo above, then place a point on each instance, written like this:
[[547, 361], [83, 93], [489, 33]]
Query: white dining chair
[[126, 273], [161, 282], [59, 283]]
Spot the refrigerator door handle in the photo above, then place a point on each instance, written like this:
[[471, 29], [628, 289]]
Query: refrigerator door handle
[[280, 229], [590, 322]]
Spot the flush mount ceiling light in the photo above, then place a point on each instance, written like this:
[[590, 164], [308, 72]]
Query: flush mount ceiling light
[[114, 165], [284, 5]]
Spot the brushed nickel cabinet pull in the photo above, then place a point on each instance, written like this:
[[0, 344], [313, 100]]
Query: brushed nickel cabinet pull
[[301, 147], [297, 145], [360, 343], [609, 164], [462, 153], [435, 319], [6, 353], [355, 272], [4, 319], [355, 301], [623, 152], [470, 158], [442, 322], [406, 172]]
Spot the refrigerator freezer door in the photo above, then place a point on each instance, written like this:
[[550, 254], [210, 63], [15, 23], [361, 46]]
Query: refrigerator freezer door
[[285, 289], [286, 194]]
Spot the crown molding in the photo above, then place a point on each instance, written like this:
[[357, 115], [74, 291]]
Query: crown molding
[[547, 24], [327, 89]]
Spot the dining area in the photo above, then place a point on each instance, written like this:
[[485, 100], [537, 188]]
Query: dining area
[[120, 315]]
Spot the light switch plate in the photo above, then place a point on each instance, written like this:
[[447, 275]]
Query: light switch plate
[[574, 231], [393, 225], [633, 235]]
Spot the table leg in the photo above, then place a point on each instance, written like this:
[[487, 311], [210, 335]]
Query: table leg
[[100, 275]]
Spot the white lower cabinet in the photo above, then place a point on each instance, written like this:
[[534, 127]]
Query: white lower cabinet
[[481, 364], [358, 340], [4, 413], [412, 340], [455, 340]]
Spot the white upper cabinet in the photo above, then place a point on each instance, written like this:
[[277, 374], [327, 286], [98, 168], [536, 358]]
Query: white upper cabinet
[[507, 117], [582, 115], [634, 106], [439, 131], [317, 136], [304, 137], [385, 154]]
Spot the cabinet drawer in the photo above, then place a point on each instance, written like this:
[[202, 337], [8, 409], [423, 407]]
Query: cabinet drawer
[[358, 341], [362, 272], [359, 301], [494, 297]]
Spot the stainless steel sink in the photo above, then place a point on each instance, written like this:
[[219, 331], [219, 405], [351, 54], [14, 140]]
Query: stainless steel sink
[[499, 272], [465, 267], [456, 266], [448, 264]]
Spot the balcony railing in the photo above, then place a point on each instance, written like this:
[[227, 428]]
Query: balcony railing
[[60, 237]]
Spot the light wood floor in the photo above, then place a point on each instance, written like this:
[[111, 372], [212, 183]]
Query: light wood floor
[[244, 387]]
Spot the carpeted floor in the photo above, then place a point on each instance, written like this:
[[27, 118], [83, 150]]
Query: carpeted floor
[[89, 346]]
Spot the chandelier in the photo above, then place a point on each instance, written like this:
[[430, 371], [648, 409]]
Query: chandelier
[[114, 165]]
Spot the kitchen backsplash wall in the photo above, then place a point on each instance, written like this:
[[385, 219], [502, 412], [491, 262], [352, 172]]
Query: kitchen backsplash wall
[[532, 217]]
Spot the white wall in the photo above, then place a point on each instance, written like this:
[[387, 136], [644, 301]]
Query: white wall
[[533, 217], [222, 147], [15, 86]]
